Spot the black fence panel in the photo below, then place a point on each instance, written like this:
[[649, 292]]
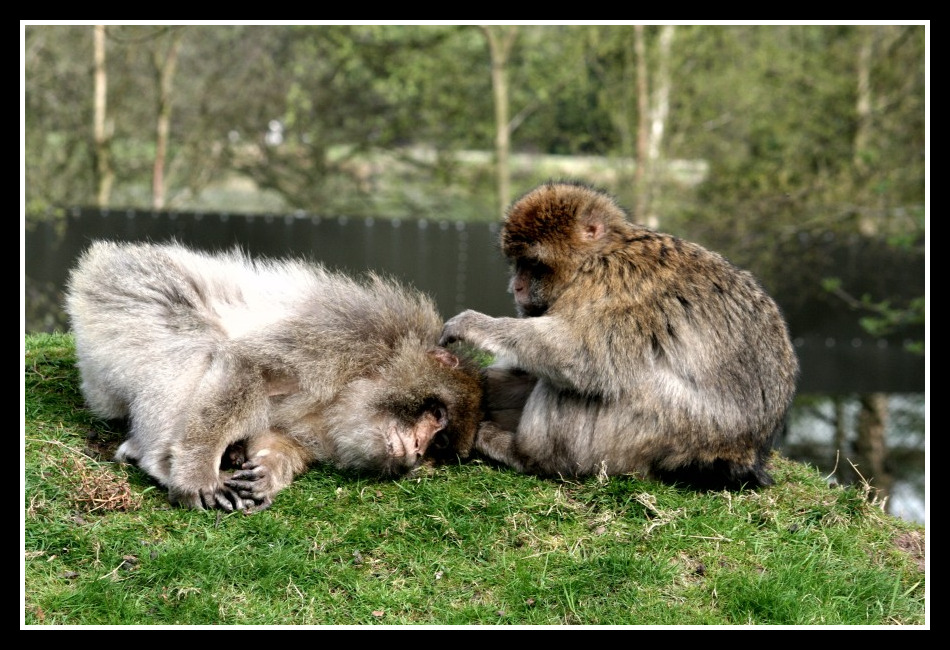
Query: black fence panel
[[460, 266]]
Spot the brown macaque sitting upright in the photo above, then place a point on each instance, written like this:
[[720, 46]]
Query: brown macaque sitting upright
[[220, 360], [635, 351]]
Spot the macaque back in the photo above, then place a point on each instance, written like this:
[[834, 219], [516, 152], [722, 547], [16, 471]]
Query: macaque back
[[283, 360]]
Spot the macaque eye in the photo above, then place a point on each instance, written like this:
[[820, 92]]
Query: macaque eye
[[432, 407], [440, 413], [531, 267], [441, 441]]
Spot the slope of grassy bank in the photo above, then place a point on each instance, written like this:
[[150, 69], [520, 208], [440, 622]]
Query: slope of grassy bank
[[459, 545]]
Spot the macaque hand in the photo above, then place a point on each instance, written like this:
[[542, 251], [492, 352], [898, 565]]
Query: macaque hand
[[462, 326]]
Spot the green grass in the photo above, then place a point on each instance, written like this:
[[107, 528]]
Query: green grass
[[457, 545]]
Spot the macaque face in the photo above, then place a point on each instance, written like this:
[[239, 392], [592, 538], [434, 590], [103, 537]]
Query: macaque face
[[408, 439], [528, 281], [374, 429]]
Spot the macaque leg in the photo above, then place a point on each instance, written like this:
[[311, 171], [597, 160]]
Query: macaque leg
[[272, 461], [506, 392]]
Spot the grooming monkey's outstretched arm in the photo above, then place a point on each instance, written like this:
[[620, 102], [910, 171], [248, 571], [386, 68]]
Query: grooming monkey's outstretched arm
[[542, 346]]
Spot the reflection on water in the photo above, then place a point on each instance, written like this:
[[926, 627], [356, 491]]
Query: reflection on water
[[906, 502], [822, 432]]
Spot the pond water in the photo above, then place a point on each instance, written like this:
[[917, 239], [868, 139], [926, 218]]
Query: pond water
[[811, 438]]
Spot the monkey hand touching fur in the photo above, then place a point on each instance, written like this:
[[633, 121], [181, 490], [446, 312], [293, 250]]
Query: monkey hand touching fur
[[635, 351], [266, 365]]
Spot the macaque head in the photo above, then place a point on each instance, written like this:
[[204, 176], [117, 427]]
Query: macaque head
[[458, 382], [423, 405], [550, 233], [411, 424]]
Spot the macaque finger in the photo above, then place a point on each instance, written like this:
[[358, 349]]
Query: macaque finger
[[262, 504]]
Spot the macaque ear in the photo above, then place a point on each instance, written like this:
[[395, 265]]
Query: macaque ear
[[445, 357], [593, 226]]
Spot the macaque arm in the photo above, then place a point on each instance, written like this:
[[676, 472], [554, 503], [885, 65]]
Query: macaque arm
[[544, 346], [229, 404]]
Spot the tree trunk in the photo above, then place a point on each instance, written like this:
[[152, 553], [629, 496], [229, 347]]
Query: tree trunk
[[862, 131], [870, 448], [643, 126], [165, 71], [659, 112], [625, 122], [500, 39], [844, 474], [102, 136]]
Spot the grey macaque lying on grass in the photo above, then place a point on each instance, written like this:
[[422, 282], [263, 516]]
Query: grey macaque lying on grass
[[280, 363]]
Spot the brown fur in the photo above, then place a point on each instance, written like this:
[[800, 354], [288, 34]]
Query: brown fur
[[651, 354]]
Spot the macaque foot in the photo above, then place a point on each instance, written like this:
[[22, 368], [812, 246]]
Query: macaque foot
[[209, 498], [255, 484]]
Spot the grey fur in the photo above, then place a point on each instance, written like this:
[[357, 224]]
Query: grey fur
[[281, 363]]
